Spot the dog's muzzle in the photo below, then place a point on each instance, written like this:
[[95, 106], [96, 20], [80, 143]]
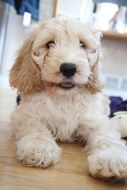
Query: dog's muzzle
[[68, 69]]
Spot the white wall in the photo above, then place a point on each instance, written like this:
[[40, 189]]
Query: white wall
[[78, 9], [115, 57], [46, 9], [14, 38], [70, 8]]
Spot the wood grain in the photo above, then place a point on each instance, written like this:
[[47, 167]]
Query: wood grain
[[69, 173]]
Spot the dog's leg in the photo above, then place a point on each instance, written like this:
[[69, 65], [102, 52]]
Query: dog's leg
[[107, 153], [35, 144]]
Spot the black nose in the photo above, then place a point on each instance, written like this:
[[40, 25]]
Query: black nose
[[68, 69]]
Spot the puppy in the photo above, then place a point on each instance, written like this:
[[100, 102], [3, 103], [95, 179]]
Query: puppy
[[57, 73]]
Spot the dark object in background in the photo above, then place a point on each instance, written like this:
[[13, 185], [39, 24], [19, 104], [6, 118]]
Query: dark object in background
[[117, 104], [30, 6], [118, 2], [18, 99]]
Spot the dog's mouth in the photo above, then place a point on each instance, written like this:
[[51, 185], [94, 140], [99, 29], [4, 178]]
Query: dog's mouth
[[67, 85]]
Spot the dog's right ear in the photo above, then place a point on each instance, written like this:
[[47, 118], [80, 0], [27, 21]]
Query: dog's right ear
[[25, 74]]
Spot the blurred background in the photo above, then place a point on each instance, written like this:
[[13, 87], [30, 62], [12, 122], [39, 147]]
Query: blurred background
[[109, 16]]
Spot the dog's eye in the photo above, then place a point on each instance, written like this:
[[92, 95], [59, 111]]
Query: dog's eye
[[50, 44], [83, 45]]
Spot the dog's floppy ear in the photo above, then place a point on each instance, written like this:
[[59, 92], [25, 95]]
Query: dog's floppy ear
[[25, 74], [95, 83]]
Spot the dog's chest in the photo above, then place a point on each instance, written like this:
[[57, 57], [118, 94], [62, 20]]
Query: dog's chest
[[62, 117]]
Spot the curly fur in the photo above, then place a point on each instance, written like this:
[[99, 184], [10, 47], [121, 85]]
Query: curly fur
[[49, 113]]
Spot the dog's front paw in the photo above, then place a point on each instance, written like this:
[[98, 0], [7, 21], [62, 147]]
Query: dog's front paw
[[38, 153], [108, 163]]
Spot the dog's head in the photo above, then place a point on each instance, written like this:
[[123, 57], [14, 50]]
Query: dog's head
[[60, 56]]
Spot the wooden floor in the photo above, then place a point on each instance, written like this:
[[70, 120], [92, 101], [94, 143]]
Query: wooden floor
[[69, 174]]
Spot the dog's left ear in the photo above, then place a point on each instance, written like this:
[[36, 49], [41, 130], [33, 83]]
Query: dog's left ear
[[25, 74], [95, 83]]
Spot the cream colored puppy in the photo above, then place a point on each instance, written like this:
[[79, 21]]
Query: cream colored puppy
[[57, 74]]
